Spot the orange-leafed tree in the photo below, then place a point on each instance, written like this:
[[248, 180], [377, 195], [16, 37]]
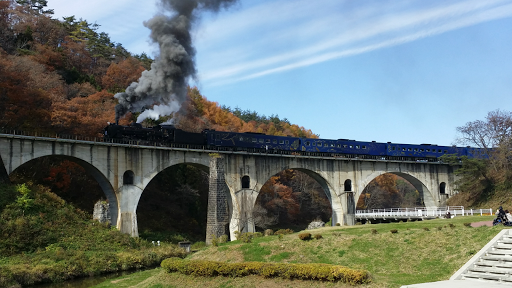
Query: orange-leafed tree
[[23, 107], [85, 116], [120, 75]]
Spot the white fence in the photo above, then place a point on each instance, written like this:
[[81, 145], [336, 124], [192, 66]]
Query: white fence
[[420, 212]]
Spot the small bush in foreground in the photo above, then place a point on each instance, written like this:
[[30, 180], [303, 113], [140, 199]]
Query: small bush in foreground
[[467, 224], [284, 231], [269, 232], [318, 236], [393, 231], [374, 231], [313, 271], [305, 236], [426, 229]]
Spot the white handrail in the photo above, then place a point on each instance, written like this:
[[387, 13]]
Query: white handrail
[[420, 212]]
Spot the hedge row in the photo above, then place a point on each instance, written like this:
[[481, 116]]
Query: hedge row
[[323, 272]]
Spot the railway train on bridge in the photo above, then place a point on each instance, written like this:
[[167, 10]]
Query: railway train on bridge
[[168, 135]]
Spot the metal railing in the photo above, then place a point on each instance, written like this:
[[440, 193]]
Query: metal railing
[[420, 212]]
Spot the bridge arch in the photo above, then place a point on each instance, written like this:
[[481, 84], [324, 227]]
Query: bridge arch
[[242, 217], [176, 203], [103, 182], [425, 193]]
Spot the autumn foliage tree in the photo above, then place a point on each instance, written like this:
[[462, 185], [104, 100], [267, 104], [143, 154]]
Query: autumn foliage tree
[[120, 75]]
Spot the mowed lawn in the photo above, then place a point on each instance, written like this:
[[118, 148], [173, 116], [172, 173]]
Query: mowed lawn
[[422, 251]]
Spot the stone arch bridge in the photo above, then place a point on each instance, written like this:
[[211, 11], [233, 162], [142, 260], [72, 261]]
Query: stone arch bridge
[[123, 171]]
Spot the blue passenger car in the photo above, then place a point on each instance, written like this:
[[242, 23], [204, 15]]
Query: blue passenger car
[[422, 150], [244, 141]]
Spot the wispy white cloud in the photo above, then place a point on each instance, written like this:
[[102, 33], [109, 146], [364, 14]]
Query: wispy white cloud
[[340, 33]]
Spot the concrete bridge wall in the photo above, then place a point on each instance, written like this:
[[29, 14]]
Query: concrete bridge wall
[[123, 172]]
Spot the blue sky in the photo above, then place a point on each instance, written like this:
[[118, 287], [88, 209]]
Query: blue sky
[[400, 71]]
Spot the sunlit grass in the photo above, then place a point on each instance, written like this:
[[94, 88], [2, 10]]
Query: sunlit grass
[[413, 255]]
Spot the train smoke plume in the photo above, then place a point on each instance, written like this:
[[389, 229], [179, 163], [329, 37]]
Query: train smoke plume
[[166, 83]]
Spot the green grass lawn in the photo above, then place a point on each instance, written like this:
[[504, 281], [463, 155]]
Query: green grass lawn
[[423, 251]]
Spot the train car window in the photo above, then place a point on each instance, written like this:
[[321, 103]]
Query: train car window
[[267, 141], [403, 149], [287, 142], [393, 148], [357, 146], [261, 140], [428, 150], [416, 149], [314, 143], [212, 136], [344, 146], [409, 149], [339, 145], [326, 144], [274, 141], [241, 138], [254, 140], [281, 141], [307, 143], [364, 147], [332, 144], [422, 150], [439, 150], [351, 146], [217, 136], [445, 151]]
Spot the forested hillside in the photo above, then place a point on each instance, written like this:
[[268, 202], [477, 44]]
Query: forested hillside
[[60, 75]]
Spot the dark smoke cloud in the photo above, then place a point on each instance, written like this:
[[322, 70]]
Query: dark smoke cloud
[[166, 82]]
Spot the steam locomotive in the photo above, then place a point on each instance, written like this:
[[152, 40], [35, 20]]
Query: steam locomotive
[[257, 142]]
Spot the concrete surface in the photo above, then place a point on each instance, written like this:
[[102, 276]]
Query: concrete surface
[[457, 284]]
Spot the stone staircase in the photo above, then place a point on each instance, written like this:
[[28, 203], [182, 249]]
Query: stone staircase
[[492, 264]]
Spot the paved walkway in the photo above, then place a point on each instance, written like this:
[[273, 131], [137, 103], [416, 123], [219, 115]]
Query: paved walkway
[[458, 284]]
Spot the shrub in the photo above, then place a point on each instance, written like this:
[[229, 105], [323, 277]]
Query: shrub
[[451, 225], [318, 236], [246, 237], [467, 224], [312, 271], [280, 236], [338, 224], [426, 229], [269, 232], [393, 231], [223, 238], [439, 228], [305, 236], [284, 231], [374, 231], [257, 235], [215, 240]]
